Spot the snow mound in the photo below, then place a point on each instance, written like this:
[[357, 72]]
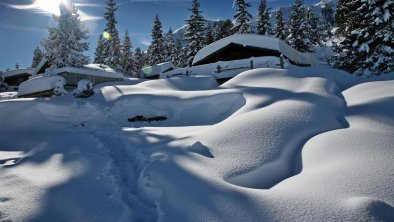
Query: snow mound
[[301, 144]]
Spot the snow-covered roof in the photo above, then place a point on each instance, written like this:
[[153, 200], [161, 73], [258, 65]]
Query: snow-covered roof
[[39, 84], [157, 69], [100, 67], [17, 72], [258, 41], [91, 70]]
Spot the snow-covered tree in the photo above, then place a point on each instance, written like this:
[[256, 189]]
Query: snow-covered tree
[[280, 29], [224, 29], [341, 15], [299, 37], [111, 48], [264, 24], [67, 42], [169, 45], [328, 13], [180, 55], [209, 37], [195, 31], [38, 54], [139, 59], [3, 85], [156, 51], [367, 44], [99, 57], [242, 17], [127, 56], [311, 26]]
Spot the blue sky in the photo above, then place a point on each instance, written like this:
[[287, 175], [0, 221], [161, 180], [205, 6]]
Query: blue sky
[[23, 27]]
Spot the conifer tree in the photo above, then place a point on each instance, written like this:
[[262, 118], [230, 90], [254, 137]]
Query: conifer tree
[[340, 17], [280, 30], [17, 65], [210, 38], [225, 29], [299, 29], [367, 43], [180, 55], [156, 51], [67, 42], [111, 51], [139, 60], [264, 25], [328, 13], [311, 25], [99, 57], [37, 57], [242, 17], [169, 45], [127, 56], [195, 31]]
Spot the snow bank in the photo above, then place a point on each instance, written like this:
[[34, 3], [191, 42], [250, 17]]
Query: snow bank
[[39, 84], [301, 144]]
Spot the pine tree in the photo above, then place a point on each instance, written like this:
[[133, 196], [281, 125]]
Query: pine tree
[[127, 56], [195, 31], [264, 25], [311, 26], [139, 60], [99, 57], [156, 51], [210, 38], [169, 45], [67, 42], [367, 46], [179, 55], [280, 29], [299, 29], [328, 13], [225, 30], [341, 16], [242, 17], [37, 57], [17, 65], [111, 49], [348, 57]]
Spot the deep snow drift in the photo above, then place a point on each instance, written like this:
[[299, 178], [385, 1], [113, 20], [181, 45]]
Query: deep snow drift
[[304, 144]]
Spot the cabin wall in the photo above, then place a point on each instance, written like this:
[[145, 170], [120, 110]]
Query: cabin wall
[[72, 79]]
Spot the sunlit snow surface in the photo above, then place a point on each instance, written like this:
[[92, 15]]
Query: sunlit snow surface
[[304, 144]]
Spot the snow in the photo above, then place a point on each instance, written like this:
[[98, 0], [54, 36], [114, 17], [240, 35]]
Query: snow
[[295, 144], [100, 67], [156, 69], [17, 72], [91, 70], [257, 41], [39, 84]]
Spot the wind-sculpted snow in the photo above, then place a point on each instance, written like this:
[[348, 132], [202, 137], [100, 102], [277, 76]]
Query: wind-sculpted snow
[[304, 144]]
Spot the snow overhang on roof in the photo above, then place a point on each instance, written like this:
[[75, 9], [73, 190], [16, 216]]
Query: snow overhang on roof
[[256, 41], [17, 72]]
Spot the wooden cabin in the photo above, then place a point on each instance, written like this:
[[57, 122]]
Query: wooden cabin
[[14, 78]]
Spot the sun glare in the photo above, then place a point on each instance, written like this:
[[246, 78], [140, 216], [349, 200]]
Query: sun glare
[[48, 6]]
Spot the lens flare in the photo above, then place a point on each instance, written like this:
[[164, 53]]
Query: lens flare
[[106, 35]]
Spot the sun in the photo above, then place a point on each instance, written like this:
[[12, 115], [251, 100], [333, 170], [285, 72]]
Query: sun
[[49, 6]]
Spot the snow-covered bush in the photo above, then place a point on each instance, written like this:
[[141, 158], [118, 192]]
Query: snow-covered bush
[[59, 88], [3, 85], [84, 90]]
